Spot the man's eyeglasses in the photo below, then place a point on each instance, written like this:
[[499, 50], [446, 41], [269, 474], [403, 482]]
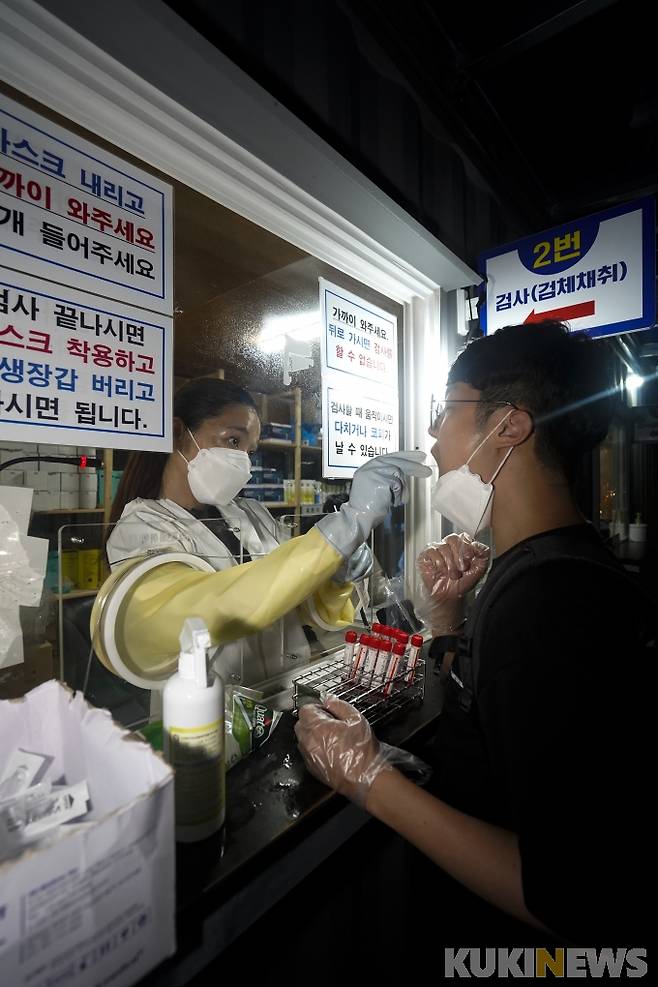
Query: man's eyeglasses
[[438, 408]]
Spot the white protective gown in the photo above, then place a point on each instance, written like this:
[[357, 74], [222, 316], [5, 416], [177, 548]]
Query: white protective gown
[[151, 526]]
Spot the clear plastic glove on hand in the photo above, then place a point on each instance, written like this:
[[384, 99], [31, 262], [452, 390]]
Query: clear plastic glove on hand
[[448, 570], [340, 749]]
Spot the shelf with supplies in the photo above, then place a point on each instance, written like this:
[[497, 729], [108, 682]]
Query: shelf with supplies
[[61, 478], [278, 463], [284, 433], [276, 444]]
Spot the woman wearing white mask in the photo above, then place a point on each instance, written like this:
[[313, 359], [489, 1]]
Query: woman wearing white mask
[[187, 501]]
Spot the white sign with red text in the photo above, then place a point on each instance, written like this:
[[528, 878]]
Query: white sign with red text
[[77, 215], [80, 370], [360, 407]]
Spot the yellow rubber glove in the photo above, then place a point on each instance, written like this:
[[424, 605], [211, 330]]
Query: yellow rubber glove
[[233, 603], [330, 607]]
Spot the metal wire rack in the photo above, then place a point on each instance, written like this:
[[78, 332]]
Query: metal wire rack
[[375, 696]]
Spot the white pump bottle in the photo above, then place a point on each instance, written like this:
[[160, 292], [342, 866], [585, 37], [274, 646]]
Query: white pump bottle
[[193, 734]]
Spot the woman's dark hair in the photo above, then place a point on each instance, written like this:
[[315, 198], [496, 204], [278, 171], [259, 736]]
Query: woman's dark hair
[[334, 502], [565, 380], [194, 403]]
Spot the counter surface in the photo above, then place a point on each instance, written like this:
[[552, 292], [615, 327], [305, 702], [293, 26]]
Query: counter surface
[[280, 824]]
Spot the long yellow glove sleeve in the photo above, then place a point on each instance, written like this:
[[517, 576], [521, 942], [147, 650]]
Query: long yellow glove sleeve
[[233, 603], [330, 607]]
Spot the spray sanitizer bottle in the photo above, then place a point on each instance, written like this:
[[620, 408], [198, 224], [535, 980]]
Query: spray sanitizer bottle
[[193, 735]]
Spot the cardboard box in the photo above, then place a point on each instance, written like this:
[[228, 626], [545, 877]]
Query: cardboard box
[[45, 501], [95, 905], [36, 479], [70, 482], [70, 501], [12, 446], [89, 568], [6, 455], [12, 478]]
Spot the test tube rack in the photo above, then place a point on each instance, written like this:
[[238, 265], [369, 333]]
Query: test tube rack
[[373, 695]]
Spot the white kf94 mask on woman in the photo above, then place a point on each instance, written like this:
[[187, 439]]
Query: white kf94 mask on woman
[[463, 497], [216, 476]]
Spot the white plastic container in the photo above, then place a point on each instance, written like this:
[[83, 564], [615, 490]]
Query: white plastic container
[[88, 499], [69, 501], [88, 487], [69, 483], [637, 531], [193, 734]]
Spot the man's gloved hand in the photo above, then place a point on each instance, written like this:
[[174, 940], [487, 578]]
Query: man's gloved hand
[[448, 570], [378, 485], [340, 749]]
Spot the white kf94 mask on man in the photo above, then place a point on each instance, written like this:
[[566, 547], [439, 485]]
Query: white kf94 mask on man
[[216, 476], [463, 497]]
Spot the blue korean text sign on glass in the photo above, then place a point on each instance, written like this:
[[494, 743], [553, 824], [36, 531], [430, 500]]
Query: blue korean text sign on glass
[[598, 274]]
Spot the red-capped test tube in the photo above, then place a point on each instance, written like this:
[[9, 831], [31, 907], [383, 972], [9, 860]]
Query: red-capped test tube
[[401, 637], [371, 658], [383, 658], [397, 657], [416, 644], [351, 638], [360, 656]]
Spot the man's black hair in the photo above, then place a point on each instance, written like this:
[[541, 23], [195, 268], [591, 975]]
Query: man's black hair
[[565, 380]]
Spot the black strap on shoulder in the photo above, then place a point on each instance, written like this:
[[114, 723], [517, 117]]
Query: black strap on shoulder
[[550, 548]]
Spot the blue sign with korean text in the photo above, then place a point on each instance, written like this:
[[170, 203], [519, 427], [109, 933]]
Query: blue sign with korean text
[[598, 274]]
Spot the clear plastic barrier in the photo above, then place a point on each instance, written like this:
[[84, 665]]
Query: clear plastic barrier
[[56, 634]]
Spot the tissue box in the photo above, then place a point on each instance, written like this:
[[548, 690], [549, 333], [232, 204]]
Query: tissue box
[[94, 905]]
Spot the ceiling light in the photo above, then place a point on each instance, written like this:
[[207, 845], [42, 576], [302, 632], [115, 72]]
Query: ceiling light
[[302, 327]]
